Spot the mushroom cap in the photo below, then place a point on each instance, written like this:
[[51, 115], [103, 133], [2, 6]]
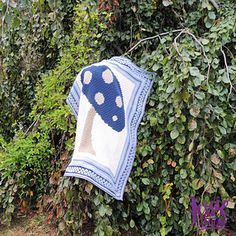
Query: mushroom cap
[[102, 89]]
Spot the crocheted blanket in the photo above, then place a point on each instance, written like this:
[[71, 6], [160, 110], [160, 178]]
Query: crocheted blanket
[[108, 100]]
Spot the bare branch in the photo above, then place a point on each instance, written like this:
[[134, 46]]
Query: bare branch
[[187, 31], [33, 123], [228, 77], [150, 38], [204, 53], [214, 3], [175, 42]]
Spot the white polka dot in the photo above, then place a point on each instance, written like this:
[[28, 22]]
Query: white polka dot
[[114, 118], [87, 77], [119, 101], [99, 98], [107, 76]]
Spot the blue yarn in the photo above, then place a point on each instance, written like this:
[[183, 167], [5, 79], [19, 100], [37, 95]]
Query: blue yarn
[[110, 92]]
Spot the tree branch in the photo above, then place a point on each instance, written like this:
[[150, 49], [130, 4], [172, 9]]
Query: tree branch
[[150, 38], [214, 3], [228, 77], [187, 31]]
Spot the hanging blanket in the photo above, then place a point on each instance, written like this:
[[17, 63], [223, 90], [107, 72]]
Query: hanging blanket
[[108, 100]]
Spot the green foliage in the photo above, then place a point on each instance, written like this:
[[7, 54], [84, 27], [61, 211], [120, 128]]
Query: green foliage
[[24, 168], [27, 161], [186, 143], [32, 36]]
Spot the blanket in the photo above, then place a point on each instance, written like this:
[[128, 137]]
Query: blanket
[[108, 100]]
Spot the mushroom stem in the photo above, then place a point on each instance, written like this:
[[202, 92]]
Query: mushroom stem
[[86, 141]]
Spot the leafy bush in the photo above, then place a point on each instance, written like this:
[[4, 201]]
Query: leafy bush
[[24, 168], [32, 37], [186, 142]]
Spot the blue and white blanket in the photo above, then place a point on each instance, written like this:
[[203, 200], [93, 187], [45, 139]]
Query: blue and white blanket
[[108, 100]]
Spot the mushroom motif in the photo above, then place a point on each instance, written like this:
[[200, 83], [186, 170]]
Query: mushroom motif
[[102, 89]]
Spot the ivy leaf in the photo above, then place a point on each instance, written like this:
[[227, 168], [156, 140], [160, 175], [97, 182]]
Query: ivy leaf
[[194, 111], [218, 175], [185, 96], [153, 121], [167, 2], [222, 130], [183, 173], [194, 71], [170, 88], [198, 183], [225, 78], [192, 125], [102, 210], [205, 41], [215, 159], [198, 80], [132, 224], [200, 95], [146, 181], [174, 134], [212, 15]]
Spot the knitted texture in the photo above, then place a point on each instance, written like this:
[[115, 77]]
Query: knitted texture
[[108, 100]]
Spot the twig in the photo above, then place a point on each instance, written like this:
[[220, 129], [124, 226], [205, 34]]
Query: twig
[[227, 72], [33, 123], [204, 53], [63, 71], [150, 38], [214, 3], [175, 41], [232, 55], [186, 31], [228, 77]]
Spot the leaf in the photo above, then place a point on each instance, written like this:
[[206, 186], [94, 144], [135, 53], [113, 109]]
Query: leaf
[[215, 159], [230, 205], [222, 130], [194, 111], [163, 220], [181, 139], [132, 224], [198, 80], [192, 125], [205, 41], [153, 121], [174, 134], [139, 207], [170, 88], [183, 173], [102, 210], [167, 2], [194, 71], [150, 161], [190, 147], [225, 78], [88, 188], [185, 96], [61, 226], [212, 15], [198, 183], [146, 181], [200, 95], [218, 175], [155, 67]]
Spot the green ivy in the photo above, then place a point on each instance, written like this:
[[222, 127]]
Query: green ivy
[[32, 37]]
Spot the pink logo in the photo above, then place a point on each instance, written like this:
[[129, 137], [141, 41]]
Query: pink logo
[[210, 216]]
